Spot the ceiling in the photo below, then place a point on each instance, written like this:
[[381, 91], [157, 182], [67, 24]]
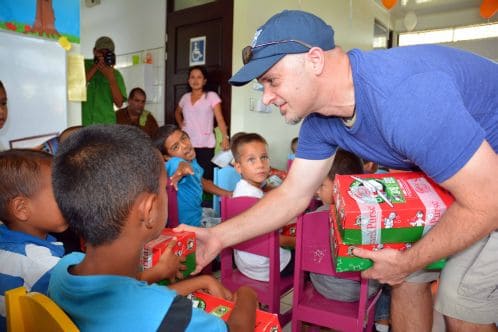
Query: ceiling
[[424, 7]]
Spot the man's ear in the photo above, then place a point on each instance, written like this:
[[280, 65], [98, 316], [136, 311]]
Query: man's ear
[[19, 208], [145, 209], [316, 57]]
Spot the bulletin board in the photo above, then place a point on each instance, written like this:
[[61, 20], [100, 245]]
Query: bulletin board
[[33, 71]]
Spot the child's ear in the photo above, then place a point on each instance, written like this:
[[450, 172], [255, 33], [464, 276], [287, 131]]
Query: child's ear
[[166, 157], [237, 167], [145, 209], [19, 208]]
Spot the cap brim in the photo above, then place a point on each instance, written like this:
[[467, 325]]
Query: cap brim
[[254, 69]]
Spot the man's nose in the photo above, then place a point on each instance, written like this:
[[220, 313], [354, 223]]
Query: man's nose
[[268, 96]]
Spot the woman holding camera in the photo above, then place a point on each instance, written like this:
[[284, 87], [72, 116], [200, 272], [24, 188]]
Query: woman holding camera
[[104, 85]]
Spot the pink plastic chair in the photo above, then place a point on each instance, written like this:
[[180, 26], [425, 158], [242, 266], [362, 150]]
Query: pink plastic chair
[[313, 254], [172, 206], [269, 293]]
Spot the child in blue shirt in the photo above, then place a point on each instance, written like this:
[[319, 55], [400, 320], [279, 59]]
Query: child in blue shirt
[[185, 174], [29, 212], [117, 204]]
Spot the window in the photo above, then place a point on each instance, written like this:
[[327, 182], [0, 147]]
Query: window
[[449, 35]]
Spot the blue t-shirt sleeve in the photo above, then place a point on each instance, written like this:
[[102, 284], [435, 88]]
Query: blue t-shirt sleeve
[[315, 141], [172, 164], [429, 124]]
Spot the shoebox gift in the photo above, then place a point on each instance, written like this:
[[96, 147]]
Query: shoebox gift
[[265, 321], [345, 261], [387, 208], [185, 247], [289, 229]]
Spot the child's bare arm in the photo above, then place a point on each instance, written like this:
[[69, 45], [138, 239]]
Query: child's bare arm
[[243, 316], [287, 241], [184, 168], [205, 283], [168, 267], [210, 187]]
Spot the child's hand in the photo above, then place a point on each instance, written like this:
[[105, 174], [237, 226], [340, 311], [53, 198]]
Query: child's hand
[[215, 288], [246, 293], [183, 169], [170, 266]]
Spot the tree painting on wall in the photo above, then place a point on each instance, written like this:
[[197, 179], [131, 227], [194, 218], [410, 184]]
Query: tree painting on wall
[[42, 18], [45, 19]]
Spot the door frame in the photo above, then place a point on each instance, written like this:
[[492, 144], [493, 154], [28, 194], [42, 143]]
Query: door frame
[[219, 8]]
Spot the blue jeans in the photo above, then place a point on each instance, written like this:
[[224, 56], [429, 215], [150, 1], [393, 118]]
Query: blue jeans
[[383, 305]]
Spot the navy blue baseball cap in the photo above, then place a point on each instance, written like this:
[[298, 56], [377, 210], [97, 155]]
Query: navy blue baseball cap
[[288, 32]]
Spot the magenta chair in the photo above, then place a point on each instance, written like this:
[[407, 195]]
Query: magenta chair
[[269, 293], [313, 254], [172, 206]]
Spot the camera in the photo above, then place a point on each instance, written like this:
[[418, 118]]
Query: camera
[[109, 58]]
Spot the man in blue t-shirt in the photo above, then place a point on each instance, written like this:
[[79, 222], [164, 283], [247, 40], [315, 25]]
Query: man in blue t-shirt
[[423, 107]]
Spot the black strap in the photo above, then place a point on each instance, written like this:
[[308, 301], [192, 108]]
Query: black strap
[[178, 316]]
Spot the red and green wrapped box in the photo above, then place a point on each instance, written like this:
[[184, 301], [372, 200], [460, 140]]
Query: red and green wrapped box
[[387, 208], [265, 321], [185, 247], [345, 261]]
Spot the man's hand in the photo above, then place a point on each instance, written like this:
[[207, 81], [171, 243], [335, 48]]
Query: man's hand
[[208, 246], [388, 265]]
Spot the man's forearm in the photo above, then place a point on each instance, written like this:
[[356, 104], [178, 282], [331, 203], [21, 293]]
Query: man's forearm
[[117, 97], [458, 229], [274, 210]]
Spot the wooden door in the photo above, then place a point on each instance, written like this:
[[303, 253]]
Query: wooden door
[[214, 21]]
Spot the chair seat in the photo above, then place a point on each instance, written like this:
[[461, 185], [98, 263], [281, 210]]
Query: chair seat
[[237, 279], [330, 311]]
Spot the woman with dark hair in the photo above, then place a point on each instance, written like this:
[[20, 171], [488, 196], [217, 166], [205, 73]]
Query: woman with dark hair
[[194, 115]]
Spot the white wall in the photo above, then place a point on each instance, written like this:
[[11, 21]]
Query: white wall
[[137, 27], [353, 28]]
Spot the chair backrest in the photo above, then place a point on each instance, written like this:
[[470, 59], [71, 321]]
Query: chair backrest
[[173, 218], [314, 254], [261, 245], [267, 245], [35, 312], [315, 245], [225, 178]]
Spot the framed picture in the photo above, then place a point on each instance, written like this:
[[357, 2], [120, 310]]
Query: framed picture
[[197, 52], [31, 141]]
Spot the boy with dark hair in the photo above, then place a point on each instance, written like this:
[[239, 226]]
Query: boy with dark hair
[[187, 176], [29, 212], [336, 288], [117, 203]]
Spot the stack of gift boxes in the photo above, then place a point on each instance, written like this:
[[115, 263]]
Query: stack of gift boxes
[[376, 211]]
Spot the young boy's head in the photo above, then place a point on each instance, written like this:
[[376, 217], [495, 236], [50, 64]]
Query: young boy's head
[[27, 202], [174, 142], [293, 145], [105, 176], [344, 163], [251, 158]]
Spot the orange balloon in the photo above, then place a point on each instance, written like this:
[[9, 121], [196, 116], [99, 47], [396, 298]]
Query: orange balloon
[[389, 3], [488, 8]]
